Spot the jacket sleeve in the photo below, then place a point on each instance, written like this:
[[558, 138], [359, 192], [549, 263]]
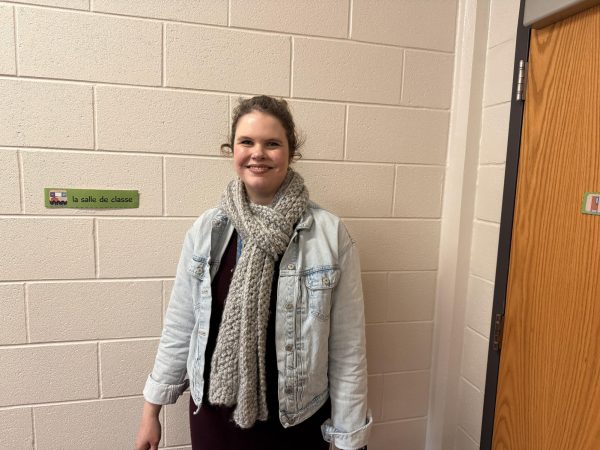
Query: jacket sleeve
[[351, 420], [168, 378]]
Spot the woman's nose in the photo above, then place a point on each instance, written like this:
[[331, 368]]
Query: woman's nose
[[258, 152]]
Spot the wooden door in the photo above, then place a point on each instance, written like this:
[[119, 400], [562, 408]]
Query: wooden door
[[548, 394]]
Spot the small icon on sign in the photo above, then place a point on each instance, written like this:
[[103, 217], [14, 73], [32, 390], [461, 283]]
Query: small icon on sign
[[591, 203], [58, 197]]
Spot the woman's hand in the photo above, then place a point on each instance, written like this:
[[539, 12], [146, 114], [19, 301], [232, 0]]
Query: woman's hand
[[148, 435]]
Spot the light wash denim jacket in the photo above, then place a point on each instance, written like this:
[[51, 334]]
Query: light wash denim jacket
[[319, 325]]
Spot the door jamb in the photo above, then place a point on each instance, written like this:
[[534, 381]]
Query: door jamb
[[506, 224]]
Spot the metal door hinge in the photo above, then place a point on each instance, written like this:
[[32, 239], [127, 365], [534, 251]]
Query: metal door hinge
[[498, 331], [522, 81]]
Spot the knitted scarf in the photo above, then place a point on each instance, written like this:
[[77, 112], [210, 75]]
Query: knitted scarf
[[237, 374]]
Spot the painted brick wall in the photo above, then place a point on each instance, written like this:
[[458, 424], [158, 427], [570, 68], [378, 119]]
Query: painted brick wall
[[486, 224], [137, 95]]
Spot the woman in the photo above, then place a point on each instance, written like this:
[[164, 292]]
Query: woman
[[266, 314]]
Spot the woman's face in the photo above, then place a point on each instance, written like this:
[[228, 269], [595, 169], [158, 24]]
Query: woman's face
[[260, 155]]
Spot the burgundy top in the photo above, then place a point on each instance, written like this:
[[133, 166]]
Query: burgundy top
[[213, 428]]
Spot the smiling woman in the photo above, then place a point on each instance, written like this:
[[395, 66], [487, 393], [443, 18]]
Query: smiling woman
[[266, 318]]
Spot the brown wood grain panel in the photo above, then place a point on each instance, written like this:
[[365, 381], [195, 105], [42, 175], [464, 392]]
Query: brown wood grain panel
[[549, 380]]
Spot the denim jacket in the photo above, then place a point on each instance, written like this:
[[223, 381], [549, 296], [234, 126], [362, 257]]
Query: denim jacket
[[319, 325]]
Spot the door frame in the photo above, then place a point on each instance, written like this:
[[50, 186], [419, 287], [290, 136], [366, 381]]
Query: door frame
[[505, 236]]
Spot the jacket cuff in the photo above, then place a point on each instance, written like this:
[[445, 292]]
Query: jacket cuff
[[347, 441], [163, 394]]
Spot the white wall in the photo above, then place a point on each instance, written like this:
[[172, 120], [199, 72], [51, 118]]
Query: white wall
[[137, 95]]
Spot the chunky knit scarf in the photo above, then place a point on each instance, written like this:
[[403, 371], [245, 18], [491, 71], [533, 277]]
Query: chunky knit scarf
[[237, 374]]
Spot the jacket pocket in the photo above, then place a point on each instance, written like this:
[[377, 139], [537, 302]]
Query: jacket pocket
[[197, 267], [320, 284]]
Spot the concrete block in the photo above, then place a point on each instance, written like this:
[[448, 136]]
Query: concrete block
[[125, 365], [494, 134], [408, 23], [396, 244], [140, 248], [10, 200], [427, 79], [399, 135], [375, 387], [386, 436], [411, 296], [419, 191], [98, 425], [48, 373], [323, 127], [94, 310], [405, 395], [350, 190], [80, 46], [153, 120], [499, 65], [462, 441], [39, 113], [349, 71], [504, 19], [37, 249], [7, 41], [312, 17], [484, 250], [480, 297], [16, 429], [470, 410], [490, 187], [194, 185], [177, 422], [474, 358], [227, 60], [399, 347], [198, 11], [376, 296], [68, 4], [50, 169], [12, 320]]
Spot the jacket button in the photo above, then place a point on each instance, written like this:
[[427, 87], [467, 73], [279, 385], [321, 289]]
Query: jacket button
[[289, 347], [289, 306], [326, 281], [291, 266], [289, 390]]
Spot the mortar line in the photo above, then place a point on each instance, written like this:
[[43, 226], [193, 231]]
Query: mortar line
[[350, 11], [334, 101], [229, 13], [26, 301], [96, 248], [291, 66], [402, 76], [94, 120], [21, 182], [33, 434], [164, 186], [14, 11], [163, 60], [394, 190], [98, 369], [346, 117]]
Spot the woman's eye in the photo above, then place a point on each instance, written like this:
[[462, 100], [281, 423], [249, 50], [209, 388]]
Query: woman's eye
[[273, 144], [246, 142]]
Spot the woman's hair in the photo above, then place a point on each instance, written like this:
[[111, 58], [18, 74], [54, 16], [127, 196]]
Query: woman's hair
[[274, 107]]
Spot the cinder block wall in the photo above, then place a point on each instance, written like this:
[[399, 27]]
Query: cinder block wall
[[486, 223], [137, 95]]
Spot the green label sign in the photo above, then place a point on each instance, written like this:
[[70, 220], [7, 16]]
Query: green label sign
[[90, 198]]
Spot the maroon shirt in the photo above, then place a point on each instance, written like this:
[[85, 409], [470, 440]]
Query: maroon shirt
[[213, 427]]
